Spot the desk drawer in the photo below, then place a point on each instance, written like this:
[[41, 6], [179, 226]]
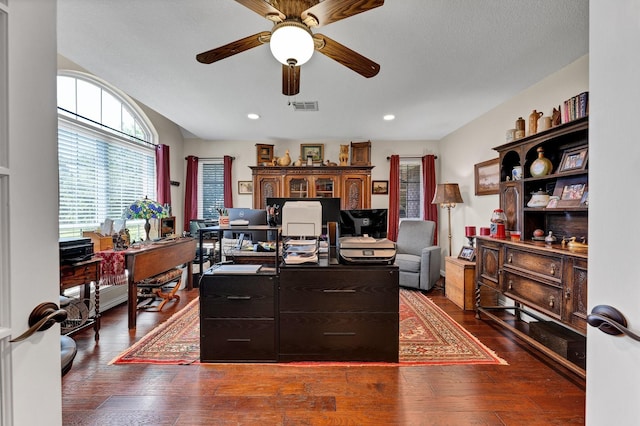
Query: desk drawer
[[546, 298], [549, 267], [237, 297], [72, 275], [335, 337], [349, 291], [237, 340]]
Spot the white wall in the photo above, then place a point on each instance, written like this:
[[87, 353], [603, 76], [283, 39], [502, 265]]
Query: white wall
[[473, 143], [245, 156]]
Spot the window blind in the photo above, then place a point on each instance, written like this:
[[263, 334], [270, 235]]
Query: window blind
[[211, 188], [99, 176]]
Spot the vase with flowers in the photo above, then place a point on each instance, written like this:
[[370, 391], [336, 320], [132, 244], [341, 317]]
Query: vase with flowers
[[145, 209]]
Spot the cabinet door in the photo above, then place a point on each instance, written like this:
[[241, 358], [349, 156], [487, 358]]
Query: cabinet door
[[510, 200], [356, 192], [325, 186], [265, 187], [297, 187], [575, 295], [488, 264]]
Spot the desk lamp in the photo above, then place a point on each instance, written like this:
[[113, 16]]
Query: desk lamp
[[447, 195]]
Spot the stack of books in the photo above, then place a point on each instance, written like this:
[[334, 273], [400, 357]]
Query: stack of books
[[576, 107], [297, 252]]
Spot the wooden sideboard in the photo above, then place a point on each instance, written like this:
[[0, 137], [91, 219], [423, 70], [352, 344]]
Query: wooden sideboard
[[349, 183]]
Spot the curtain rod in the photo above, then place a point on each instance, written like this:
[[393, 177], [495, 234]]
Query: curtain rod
[[209, 158], [413, 157]]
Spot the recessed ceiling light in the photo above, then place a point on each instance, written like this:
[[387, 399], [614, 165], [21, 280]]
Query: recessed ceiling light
[[389, 117], [253, 116]]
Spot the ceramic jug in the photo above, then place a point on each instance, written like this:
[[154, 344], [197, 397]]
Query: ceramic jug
[[544, 123], [533, 121]]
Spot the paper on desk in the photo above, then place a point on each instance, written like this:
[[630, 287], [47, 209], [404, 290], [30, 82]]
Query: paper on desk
[[107, 227]]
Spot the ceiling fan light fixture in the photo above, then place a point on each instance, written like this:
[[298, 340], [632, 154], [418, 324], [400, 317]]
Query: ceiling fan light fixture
[[291, 43]]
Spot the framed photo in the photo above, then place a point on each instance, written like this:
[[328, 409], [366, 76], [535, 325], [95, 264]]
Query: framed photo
[[571, 191], [316, 151], [264, 154], [361, 153], [467, 253], [245, 187], [574, 159], [487, 177], [380, 187]]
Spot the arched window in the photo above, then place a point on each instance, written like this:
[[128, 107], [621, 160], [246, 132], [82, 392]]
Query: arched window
[[106, 154]]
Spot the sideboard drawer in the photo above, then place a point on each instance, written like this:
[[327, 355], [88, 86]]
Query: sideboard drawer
[[549, 267], [335, 337], [238, 297], [542, 296], [237, 340], [72, 275]]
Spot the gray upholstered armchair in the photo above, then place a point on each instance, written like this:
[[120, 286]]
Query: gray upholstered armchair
[[417, 258]]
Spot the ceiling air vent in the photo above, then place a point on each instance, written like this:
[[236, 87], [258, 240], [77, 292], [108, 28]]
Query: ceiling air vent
[[305, 106]]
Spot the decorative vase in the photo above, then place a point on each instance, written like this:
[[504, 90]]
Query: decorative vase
[[533, 121], [541, 166]]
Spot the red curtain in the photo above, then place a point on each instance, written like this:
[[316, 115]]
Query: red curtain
[[163, 177], [429, 179], [394, 197], [191, 191], [228, 187]]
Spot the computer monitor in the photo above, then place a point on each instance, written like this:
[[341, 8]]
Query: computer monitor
[[356, 223], [330, 207], [254, 217]]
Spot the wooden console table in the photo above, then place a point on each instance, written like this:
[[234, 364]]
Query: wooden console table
[[154, 259], [83, 274]]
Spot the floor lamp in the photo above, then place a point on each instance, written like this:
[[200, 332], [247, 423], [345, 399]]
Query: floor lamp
[[447, 195]]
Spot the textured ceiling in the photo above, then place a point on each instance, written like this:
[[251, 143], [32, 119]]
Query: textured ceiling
[[443, 63]]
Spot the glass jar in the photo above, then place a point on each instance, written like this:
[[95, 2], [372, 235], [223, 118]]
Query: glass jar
[[498, 216]]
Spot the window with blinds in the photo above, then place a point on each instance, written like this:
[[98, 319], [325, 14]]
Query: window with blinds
[[106, 159], [410, 190], [211, 186]]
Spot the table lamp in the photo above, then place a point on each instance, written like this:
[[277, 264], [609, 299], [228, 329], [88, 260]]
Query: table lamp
[[447, 195], [145, 209]]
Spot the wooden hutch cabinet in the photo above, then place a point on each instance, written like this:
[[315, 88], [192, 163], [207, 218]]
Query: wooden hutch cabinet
[[546, 281], [351, 184]]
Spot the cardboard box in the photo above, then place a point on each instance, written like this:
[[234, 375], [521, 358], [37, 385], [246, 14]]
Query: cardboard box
[[100, 242]]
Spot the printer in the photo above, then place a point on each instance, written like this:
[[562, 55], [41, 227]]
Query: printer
[[366, 249]]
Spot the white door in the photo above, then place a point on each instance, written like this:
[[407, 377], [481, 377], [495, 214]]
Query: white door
[[30, 384], [613, 363]]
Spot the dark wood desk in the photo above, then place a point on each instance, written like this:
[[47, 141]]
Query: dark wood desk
[[83, 274], [154, 259]]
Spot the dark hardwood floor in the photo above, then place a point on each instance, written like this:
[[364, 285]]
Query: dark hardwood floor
[[531, 390]]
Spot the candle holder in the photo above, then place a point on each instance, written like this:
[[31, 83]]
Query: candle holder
[[470, 233]]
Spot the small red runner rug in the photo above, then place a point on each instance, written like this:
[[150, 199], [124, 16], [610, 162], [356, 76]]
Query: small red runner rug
[[428, 336]]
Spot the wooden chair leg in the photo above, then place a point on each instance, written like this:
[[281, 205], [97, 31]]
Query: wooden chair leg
[[170, 295]]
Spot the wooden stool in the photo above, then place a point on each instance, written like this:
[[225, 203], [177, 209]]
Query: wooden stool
[[157, 282]]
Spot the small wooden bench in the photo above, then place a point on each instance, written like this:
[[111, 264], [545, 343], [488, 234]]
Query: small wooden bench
[[155, 284]]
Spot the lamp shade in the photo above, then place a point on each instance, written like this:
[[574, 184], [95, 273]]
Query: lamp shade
[[447, 195], [291, 43], [145, 209]]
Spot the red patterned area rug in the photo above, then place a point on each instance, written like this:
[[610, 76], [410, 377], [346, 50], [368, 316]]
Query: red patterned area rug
[[428, 336]]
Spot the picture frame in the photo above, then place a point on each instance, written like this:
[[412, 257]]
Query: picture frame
[[315, 150], [487, 177], [467, 253], [264, 154], [361, 153], [574, 159], [245, 187], [570, 191], [379, 187]]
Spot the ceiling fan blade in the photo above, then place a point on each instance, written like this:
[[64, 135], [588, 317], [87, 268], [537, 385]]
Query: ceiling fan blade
[[347, 57], [329, 11], [232, 48], [264, 9], [290, 80]]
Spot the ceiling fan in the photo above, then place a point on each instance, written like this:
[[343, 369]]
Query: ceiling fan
[[291, 40]]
